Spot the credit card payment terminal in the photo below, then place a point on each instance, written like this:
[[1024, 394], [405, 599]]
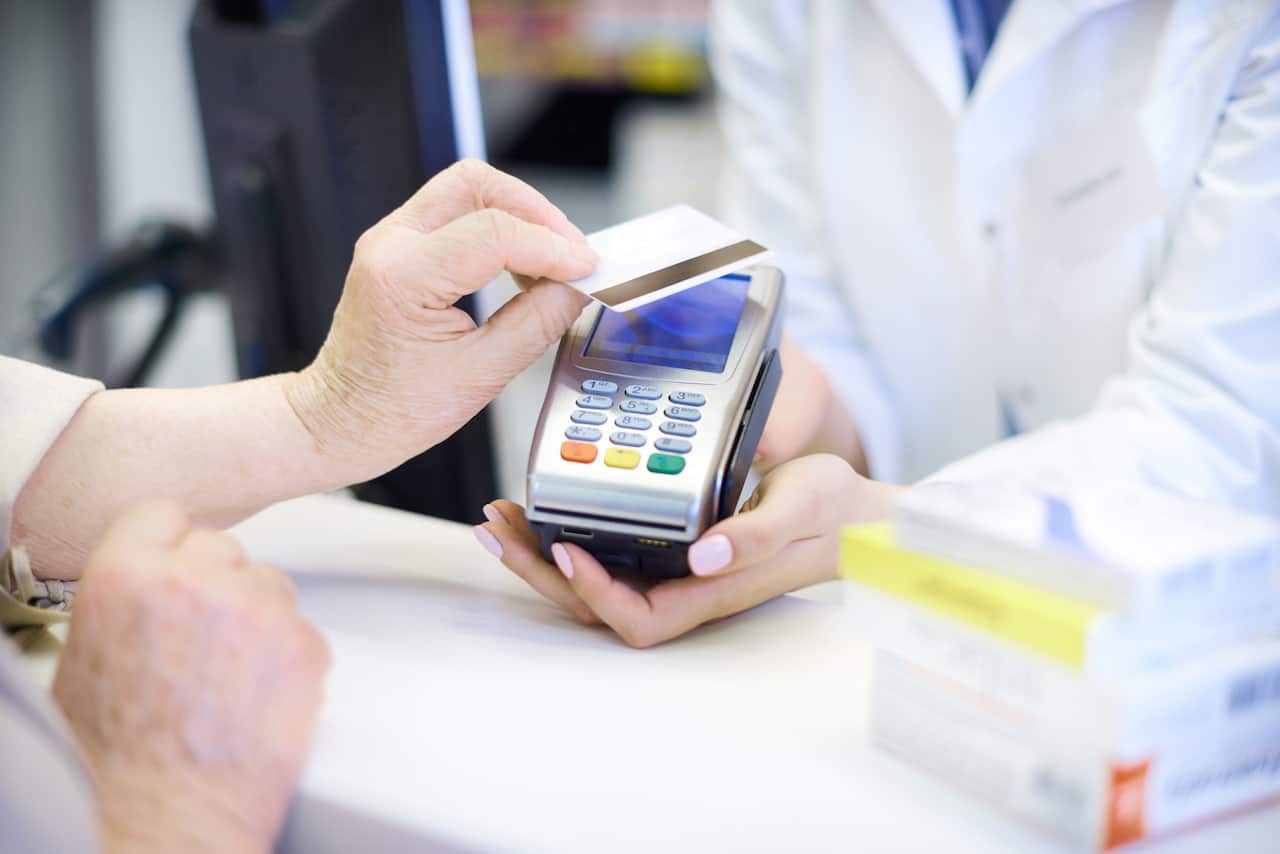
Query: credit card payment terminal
[[651, 422]]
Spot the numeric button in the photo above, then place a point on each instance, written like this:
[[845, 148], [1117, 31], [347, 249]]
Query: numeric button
[[683, 413], [594, 401], [633, 422], [582, 416], [637, 407], [599, 387], [644, 392], [622, 437], [687, 398], [677, 428]]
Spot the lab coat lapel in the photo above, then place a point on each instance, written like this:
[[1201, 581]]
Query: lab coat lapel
[[1031, 29], [926, 31]]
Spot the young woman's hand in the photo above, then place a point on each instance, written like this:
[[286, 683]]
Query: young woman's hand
[[784, 538]]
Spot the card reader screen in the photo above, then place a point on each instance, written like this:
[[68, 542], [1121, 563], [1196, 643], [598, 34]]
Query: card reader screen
[[692, 330]]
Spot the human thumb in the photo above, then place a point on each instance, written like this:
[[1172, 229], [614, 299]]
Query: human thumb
[[527, 325], [773, 518]]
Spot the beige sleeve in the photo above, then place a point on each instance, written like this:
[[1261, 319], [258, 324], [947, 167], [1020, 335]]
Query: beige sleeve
[[46, 799], [36, 404]]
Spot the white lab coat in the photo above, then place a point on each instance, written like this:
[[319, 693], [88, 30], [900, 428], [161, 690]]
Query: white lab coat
[[1091, 239]]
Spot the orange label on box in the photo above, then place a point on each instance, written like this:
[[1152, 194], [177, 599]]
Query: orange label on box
[[1127, 805]]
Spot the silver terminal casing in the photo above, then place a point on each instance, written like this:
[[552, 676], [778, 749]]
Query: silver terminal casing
[[591, 499]]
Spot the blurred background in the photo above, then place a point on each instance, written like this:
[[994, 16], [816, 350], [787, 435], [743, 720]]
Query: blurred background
[[181, 181]]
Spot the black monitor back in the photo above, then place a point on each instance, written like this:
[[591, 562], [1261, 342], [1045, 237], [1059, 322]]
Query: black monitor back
[[319, 117]]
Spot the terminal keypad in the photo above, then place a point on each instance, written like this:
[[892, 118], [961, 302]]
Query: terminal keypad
[[598, 402]]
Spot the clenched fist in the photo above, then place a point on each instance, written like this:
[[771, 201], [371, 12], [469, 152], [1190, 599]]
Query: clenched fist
[[192, 685]]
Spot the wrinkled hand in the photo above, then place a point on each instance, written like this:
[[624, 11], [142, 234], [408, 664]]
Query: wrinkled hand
[[784, 538], [192, 685], [402, 368], [806, 417]]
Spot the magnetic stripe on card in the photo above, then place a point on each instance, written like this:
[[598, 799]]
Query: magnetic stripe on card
[[678, 272]]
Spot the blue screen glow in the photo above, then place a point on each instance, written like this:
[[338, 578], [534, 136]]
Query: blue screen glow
[[692, 330]]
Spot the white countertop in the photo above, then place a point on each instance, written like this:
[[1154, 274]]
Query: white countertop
[[463, 713]]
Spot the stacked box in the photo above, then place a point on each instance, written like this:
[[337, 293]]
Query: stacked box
[[1105, 725]]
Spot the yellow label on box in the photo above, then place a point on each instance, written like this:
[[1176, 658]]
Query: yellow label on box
[[1047, 623]]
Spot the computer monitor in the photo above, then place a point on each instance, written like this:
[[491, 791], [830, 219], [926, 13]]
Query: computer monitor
[[319, 117]]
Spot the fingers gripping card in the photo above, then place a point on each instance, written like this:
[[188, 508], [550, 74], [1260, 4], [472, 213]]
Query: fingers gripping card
[[663, 253]]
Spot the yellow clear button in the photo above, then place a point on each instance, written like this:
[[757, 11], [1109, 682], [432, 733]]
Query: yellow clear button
[[622, 458]]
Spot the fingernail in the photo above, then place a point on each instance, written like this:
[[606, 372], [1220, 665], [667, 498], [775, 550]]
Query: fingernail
[[710, 555], [586, 254], [493, 514], [489, 541], [561, 555]]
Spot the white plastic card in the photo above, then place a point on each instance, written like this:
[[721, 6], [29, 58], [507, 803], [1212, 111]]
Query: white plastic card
[[663, 253]]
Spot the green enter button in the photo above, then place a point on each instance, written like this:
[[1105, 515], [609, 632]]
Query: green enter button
[[666, 463]]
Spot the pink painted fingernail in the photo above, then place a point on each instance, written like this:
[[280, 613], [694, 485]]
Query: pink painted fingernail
[[710, 555], [561, 555], [489, 541], [493, 514]]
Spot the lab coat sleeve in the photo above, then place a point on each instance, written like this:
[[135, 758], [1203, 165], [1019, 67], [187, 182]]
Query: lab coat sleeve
[[36, 403], [760, 57], [1198, 410]]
